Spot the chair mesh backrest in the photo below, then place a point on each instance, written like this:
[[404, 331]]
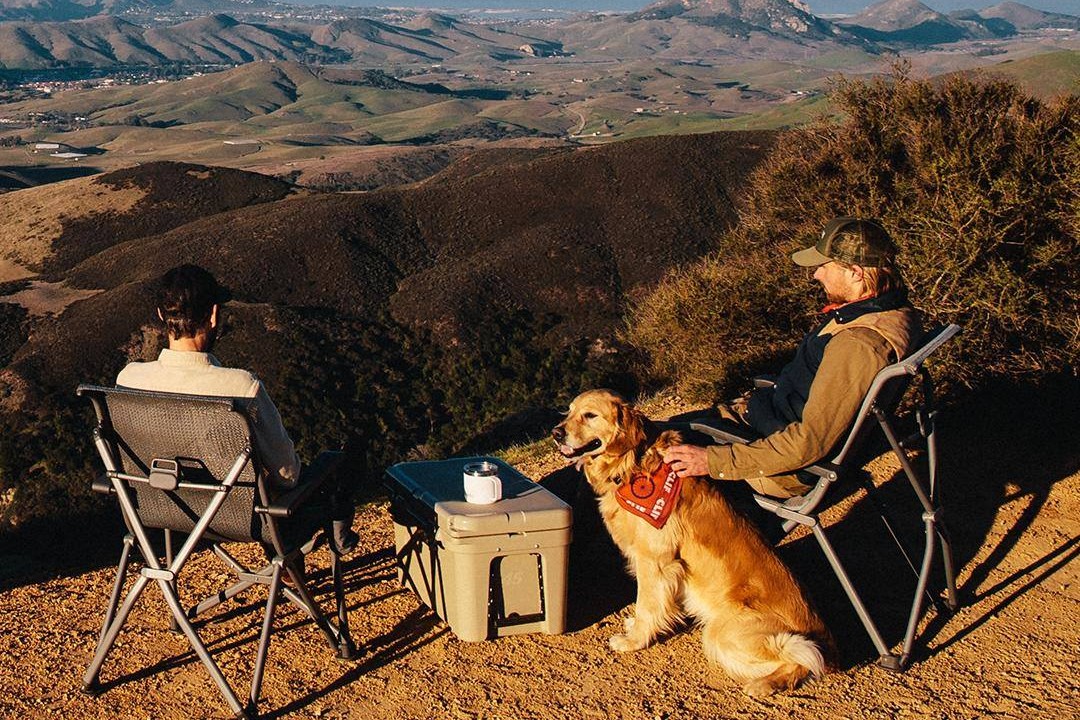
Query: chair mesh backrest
[[206, 435]]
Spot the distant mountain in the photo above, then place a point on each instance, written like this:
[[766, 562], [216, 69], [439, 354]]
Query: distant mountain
[[61, 10], [893, 15], [831, 8], [910, 22], [778, 29], [59, 33], [106, 40], [1023, 17], [784, 17]]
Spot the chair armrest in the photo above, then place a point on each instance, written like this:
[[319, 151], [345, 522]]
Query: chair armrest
[[763, 381], [725, 435], [728, 435], [824, 469], [312, 477]]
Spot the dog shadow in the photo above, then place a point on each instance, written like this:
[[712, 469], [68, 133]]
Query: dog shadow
[[598, 583]]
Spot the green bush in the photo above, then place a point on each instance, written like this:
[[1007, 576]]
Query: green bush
[[978, 184]]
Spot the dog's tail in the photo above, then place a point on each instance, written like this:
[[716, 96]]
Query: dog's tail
[[799, 650], [797, 657]]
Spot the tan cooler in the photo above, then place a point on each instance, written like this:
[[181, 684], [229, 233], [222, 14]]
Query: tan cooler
[[487, 570]]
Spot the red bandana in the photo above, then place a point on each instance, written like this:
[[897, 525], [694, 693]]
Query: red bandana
[[651, 497]]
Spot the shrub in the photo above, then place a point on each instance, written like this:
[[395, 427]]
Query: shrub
[[712, 324], [978, 184]]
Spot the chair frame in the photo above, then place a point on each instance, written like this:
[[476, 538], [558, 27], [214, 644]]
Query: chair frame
[[269, 512], [879, 405]]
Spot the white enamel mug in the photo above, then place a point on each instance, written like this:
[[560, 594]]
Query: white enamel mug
[[482, 483]]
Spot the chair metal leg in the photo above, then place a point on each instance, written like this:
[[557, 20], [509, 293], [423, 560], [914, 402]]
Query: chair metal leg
[[929, 520], [218, 598], [346, 649], [886, 658], [312, 607], [200, 650], [118, 585], [168, 563], [264, 636], [952, 600], [90, 678]]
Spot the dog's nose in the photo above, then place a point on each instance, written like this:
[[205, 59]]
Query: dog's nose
[[558, 433]]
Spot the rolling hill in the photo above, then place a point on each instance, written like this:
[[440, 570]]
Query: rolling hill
[[434, 310], [106, 40], [1023, 17]]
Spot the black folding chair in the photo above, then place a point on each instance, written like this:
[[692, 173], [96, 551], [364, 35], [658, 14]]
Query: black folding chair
[[185, 464], [880, 405]]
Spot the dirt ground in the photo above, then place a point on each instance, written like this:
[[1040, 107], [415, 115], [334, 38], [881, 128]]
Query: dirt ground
[[1012, 491]]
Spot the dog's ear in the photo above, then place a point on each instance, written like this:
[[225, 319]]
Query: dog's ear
[[630, 426]]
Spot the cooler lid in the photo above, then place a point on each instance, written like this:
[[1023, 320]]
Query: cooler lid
[[525, 506]]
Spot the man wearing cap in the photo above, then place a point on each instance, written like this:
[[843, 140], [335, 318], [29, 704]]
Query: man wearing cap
[[867, 325]]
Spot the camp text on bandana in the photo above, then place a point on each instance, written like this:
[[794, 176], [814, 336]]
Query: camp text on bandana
[[651, 497]]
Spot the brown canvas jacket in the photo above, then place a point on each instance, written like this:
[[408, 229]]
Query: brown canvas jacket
[[856, 353]]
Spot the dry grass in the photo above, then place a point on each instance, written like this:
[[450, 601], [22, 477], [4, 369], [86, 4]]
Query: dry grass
[[34, 218]]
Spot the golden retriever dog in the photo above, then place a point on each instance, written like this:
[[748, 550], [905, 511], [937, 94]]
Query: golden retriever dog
[[706, 561]]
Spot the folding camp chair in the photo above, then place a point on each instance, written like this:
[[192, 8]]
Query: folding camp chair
[[880, 404], [185, 464]]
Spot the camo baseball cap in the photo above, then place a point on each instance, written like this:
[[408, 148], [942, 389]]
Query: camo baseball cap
[[850, 240]]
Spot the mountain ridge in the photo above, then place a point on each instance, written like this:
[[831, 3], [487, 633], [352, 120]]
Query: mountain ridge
[[76, 33]]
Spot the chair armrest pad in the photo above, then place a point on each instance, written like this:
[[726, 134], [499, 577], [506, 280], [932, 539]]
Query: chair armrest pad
[[312, 478], [763, 381]]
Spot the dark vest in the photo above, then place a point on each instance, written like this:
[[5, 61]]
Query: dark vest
[[773, 409]]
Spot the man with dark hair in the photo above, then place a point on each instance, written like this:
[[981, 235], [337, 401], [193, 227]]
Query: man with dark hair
[[188, 302], [867, 325]]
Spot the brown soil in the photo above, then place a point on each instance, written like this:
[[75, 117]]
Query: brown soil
[[1009, 652], [45, 298], [13, 271]]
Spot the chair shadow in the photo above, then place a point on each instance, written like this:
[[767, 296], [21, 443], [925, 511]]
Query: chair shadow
[[362, 571], [44, 550], [986, 447]]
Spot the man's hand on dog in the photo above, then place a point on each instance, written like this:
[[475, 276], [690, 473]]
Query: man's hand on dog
[[687, 460]]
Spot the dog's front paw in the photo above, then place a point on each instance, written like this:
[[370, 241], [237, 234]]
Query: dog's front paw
[[628, 624], [625, 643]]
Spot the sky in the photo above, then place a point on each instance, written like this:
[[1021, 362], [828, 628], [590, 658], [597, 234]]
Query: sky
[[1071, 7], [820, 7]]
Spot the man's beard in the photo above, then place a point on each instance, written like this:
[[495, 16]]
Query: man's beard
[[835, 299]]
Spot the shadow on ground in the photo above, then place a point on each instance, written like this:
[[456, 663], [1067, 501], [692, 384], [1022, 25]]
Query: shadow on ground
[[1010, 444]]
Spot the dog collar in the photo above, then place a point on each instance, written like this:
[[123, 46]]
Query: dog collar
[[651, 497]]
